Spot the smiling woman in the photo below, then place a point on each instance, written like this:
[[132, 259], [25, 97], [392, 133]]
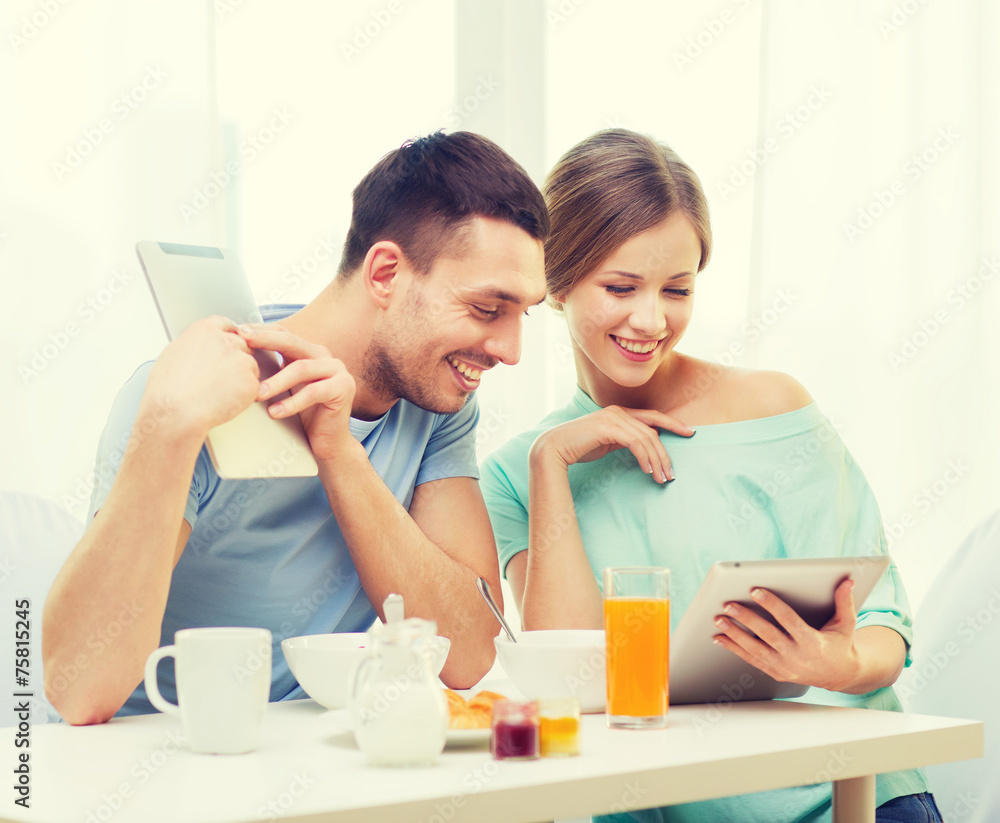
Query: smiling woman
[[594, 485]]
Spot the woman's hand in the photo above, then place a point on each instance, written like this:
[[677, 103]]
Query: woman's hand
[[595, 435], [831, 657]]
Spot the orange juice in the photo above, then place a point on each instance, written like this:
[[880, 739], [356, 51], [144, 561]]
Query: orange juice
[[637, 630]]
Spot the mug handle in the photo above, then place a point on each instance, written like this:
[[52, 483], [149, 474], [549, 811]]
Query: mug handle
[[152, 689]]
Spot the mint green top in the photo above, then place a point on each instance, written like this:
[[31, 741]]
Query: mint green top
[[782, 486]]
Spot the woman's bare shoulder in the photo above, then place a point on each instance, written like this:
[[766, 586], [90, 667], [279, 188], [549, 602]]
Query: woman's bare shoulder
[[768, 393], [729, 394]]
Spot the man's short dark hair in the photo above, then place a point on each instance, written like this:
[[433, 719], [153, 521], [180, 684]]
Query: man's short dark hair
[[422, 194]]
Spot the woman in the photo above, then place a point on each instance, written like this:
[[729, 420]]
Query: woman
[[616, 478]]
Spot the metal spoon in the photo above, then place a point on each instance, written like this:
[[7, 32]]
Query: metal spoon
[[484, 590]]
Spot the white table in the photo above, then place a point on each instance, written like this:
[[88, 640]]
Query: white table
[[308, 769]]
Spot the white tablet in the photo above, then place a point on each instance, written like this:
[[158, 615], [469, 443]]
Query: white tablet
[[702, 672], [190, 283]]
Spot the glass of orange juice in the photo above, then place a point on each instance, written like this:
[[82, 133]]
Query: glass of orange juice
[[637, 633]]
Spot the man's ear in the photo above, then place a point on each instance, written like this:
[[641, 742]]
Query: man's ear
[[381, 272]]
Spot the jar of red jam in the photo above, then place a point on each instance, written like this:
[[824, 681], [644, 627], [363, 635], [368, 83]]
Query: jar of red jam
[[515, 730]]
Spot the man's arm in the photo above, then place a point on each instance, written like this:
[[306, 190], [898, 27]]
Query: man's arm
[[431, 555], [104, 612]]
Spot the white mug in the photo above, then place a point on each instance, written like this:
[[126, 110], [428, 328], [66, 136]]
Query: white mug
[[223, 680]]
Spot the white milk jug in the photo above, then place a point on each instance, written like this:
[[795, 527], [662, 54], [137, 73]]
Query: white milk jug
[[399, 708]]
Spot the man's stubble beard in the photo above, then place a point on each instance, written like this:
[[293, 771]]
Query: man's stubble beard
[[394, 368]]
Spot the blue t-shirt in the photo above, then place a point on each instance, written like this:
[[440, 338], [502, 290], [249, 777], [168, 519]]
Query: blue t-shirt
[[269, 552], [782, 486]]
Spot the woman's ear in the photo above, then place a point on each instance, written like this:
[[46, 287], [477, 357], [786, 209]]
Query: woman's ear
[[380, 271]]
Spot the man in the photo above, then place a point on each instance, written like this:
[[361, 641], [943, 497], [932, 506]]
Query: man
[[443, 257]]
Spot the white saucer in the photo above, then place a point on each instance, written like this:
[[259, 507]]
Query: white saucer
[[455, 739], [467, 738]]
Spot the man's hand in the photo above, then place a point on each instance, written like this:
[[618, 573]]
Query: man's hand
[[207, 376], [322, 389]]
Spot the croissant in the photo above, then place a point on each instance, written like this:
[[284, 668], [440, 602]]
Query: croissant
[[475, 713]]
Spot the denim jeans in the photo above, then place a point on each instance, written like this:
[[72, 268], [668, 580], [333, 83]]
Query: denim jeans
[[911, 808]]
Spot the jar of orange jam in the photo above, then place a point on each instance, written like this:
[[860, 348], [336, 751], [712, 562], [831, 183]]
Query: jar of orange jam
[[559, 726]]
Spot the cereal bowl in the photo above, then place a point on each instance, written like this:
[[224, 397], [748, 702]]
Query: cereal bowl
[[557, 663], [324, 664]]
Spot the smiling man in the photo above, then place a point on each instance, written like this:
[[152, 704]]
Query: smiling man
[[442, 259]]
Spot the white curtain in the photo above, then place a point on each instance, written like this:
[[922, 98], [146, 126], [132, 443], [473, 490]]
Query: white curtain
[[119, 122], [876, 209], [848, 152], [802, 118]]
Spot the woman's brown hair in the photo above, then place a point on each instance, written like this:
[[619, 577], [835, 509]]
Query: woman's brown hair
[[607, 189]]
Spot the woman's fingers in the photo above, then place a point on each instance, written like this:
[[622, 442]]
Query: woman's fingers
[[656, 421], [746, 646], [661, 421], [644, 443], [613, 427], [792, 650], [846, 614]]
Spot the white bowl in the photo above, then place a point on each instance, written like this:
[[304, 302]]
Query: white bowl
[[557, 663], [324, 664]]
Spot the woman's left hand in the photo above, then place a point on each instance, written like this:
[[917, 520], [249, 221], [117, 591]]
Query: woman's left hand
[[796, 652]]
